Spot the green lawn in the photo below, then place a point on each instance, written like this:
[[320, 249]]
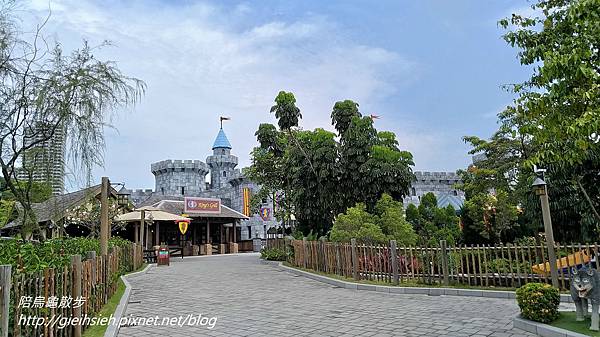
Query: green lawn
[[567, 321]]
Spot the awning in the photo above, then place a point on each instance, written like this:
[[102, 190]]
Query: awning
[[151, 214]]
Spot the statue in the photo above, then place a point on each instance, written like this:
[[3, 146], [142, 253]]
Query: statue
[[585, 286]]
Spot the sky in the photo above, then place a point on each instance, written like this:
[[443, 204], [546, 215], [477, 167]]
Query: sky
[[432, 69]]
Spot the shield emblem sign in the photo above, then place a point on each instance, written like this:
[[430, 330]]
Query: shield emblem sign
[[183, 226]]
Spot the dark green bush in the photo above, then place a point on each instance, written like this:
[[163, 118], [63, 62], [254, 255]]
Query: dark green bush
[[538, 302], [273, 254], [54, 253]]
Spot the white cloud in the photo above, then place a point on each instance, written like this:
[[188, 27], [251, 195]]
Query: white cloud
[[199, 64]]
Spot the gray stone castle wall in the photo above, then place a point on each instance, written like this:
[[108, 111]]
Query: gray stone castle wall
[[438, 183], [179, 177]]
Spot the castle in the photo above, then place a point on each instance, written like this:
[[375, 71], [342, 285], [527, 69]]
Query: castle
[[175, 179]]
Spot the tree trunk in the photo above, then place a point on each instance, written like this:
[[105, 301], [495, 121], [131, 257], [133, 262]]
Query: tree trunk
[[587, 197]]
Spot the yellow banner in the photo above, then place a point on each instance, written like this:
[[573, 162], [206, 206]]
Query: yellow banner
[[246, 199]]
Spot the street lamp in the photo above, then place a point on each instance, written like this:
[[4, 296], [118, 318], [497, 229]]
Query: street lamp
[[540, 188], [123, 197]]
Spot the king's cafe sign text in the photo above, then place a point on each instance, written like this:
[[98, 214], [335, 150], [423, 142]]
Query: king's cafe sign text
[[202, 205]]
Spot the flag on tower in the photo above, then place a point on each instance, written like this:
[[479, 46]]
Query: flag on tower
[[223, 118]]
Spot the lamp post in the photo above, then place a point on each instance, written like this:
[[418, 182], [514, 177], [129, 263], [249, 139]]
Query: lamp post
[[539, 186]]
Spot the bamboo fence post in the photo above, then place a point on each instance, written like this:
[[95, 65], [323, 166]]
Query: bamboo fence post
[[76, 291], [444, 256], [394, 262], [5, 279], [354, 260], [305, 252]]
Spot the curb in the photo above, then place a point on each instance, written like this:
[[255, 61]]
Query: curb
[[113, 330], [564, 298], [542, 329]]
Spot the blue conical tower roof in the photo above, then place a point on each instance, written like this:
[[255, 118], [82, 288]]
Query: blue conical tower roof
[[221, 141]]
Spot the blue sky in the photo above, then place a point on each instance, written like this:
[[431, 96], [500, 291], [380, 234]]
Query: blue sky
[[432, 70]]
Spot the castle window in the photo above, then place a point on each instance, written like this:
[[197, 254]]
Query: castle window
[[162, 190], [224, 174], [414, 192], [455, 192], [249, 232], [223, 151], [182, 190]]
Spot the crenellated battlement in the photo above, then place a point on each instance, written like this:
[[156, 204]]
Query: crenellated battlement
[[179, 166]]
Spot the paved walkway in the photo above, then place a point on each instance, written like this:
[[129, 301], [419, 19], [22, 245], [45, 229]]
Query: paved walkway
[[252, 299]]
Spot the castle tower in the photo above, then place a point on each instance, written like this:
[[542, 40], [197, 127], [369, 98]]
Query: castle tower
[[179, 177], [222, 164]]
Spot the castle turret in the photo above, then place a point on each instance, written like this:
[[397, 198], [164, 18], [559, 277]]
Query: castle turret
[[222, 163], [179, 177]]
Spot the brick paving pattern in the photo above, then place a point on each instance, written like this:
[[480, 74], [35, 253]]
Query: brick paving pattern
[[253, 299]]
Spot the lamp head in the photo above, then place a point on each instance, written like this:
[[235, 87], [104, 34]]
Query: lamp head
[[539, 186]]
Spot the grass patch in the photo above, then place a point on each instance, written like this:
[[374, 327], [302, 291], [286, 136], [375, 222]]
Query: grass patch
[[566, 321], [108, 309]]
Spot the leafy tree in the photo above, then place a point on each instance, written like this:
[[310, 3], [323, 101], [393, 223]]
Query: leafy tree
[[358, 224], [310, 168], [286, 111], [38, 192], [386, 223], [342, 115], [40, 85], [560, 102], [432, 223], [88, 216], [391, 220], [553, 123]]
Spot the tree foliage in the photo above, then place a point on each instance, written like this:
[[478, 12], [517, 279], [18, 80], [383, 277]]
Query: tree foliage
[[553, 123], [386, 223], [432, 223], [319, 174], [44, 91]]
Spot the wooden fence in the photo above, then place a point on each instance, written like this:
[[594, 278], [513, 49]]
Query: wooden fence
[[475, 265], [94, 280]]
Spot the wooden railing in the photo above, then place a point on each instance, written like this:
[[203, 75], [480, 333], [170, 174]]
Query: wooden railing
[[475, 265], [51, 294]]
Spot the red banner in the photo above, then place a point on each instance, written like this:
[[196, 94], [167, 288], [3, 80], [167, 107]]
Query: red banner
[[202, 205]]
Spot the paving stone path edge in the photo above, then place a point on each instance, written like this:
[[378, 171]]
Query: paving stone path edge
[[564, 298], [542, 329], [113, 329]]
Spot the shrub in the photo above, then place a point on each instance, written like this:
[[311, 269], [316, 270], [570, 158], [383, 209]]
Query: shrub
[[273, 254], [53, 253], [538, 302]]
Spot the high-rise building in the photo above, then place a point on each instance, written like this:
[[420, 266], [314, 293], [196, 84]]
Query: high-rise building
[[45, 161]]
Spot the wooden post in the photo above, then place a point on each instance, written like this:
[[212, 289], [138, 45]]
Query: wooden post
[[157, 236], [134, 256], [104, 225], [444, 252], [354, 260], [234, 234], [305, 252], [393, 249], [136, 235], [76, 291], [142, 228], [208, 240], [5, 279], [91, 255]]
